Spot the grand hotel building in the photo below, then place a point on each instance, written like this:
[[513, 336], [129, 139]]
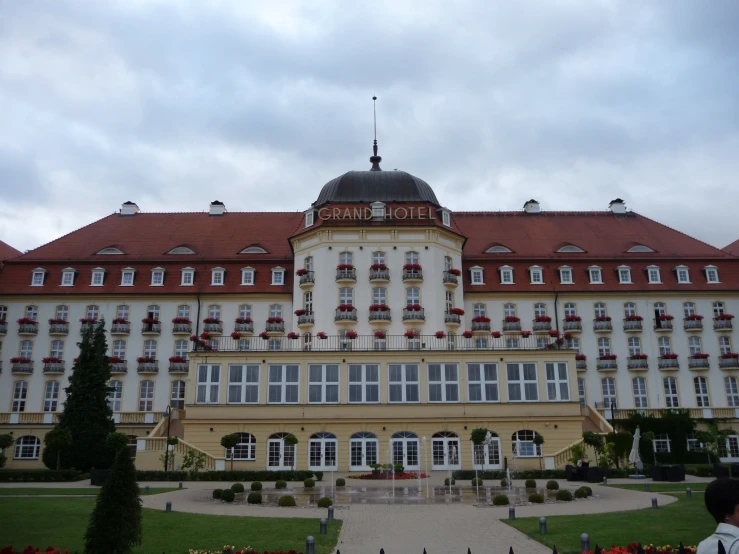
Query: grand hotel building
[[376, 325]]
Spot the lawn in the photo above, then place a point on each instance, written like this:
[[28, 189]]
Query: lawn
[[685, 520], [62, 522], [664, 487], [66, 492]]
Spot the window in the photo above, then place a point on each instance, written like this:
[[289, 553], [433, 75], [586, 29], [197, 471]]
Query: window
[[119, 349], [732, 391], [20, 392], [509, 310], [624, 275], [323, 384], [694, 345], [275, 310], [68, 277], [115, 394], [253, 250], [180, 348], [27, 448], [3, 313], [692, 443], [177, 396], [711, 274], [661, 443], [403, 379], [283, 384], [570, 248], [570, 309], [109, 250], [274, 344], [157, 277], [724, 345], [278, 276], [581, 391], [540, 309], [476, 276], [565, 275], [121, 312], [640, 248], [629, 309], [32, 312], [153, 311], [412, 296], [448, 301], [660, 309], [506, 275], [671, 397], [146, 396], [308, 264], [653, 275], [574, 344], [523, 445], [718, 309], [683, 275], [181, 250], [558, 384], [378, 258], [639, 385], [98, 276], [57, 349], [246, 447], [482, 382], [243, 384], [447, 263], [701, 392], [214, 312], [247, 276], [479, 310], [379, 295], [183, 310], [187, 278], [38, 277], [498, 250], [309, 218], [443, 382], [634, 346], [688, 309], [522, 383], [364, 384], [26, 350], [665, 346], [308, 302], [346, 295], [596, 275], [150, 349], [346, 258], [608, 388], [209, 380], [61, 312], [446, 218], [604, 346], [599, 308], [411, 257], [217, 276], [537, 276], [378, 210]]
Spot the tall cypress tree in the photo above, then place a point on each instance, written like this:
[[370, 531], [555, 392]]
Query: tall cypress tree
[[86, 412]]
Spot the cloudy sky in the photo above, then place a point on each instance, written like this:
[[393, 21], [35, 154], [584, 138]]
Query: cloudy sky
[[175, 103]]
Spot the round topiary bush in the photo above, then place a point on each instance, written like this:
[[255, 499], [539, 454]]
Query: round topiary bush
[[503, 483], [325, 502], [446, 482], [228, 495], [530, 483], [552, 486], [286, 500], [587, 489], [237, 487], [217, 493], [254, 498], [340, 482], [580, 493], [280, 484], [500, 500], [564, 495], [309, 483], [536, 498], [477, 482], [256, 486]]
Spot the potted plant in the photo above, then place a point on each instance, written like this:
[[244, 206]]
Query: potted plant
[[302, 271], [300, 312], [379, 334], [573, 318], [512, 319], [321, 335], [495, 334], [351, 334], [411, 334], [264, 335], [525, 334], [243, 320], [543, 319], [468, 334], [235, 335], [455, 271], [440, 334], [456, 311], [293, 336]]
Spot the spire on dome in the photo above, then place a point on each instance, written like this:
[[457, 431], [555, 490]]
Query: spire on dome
[[375, 159]]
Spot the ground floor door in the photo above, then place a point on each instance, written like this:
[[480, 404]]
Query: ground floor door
[[322, 454], [487, 457], [362, 453], [405, 452], [279, 455], [445, 453]]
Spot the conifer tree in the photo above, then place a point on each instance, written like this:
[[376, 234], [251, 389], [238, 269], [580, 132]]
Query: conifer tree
[[115, 522]]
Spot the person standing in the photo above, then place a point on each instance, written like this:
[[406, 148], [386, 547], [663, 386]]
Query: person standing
[[722, 501]]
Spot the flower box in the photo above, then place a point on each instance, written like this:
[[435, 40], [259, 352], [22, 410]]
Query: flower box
[[724, 317], [468, 334], [639, 357], [243, 320], [581, 357], [379, 308], [321, 335], [299, 312], [608, 357], [630, 318], [345, 266], [345, 307], [410, 334], [264, 335], [543, 319], [414, 308], [20, 360], [51, 360], [694, 317], [455, 271], [730, 356], [456, 311], [495, 334], [512, 319], [412, 267], [211, 320], [481, 319], [526, 333], [113, 360], [124, 321], [150, 320], [380, 334], [181, 320], [146, 360], [205, 335], [378, 267], [301, 272], [235, 335], [670, 356], [177, 359], [666, 317], [88, 320], [553, 333], [700, 356], [275, 320], [603, 318], [27, 321], [351, 335], [57, 321], [571, 318], [440, 334], [292, 335]]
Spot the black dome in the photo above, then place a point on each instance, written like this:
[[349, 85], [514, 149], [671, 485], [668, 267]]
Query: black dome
[[376, 186]]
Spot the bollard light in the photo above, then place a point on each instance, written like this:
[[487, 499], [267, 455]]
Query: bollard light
[[330, 513], [542, 525], [511, 512], [169, 505], [323, 526], [584, 543], [310, 545], [180, 484], [146, 489], [605, 480], [654, 502], [689, 492], [646, 486]]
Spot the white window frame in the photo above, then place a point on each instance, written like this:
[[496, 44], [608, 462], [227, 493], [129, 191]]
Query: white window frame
[[280, 384], [249, 446], [695, 345], [51, 396], [664, 344], [520, 440], [634, 344], [97, 279], [68, 277], [446, 218], [487, 381], [146, 397], [518, 378], [506, 275], [639, 390], [27, 449], [731, 387], [128, 277], [246, 386], [157, 277], [38, 277], [700, 386], [278, 276], [608, 391], [565, 275], [595, 274], [187, 277], [682, 273], [477, 275], [662, 444], [689, 309], [115, 396], [119, 349], [217, 277], [604, 346], [310, 217], [570, 309], [536, 275], [20, 396], [404, 383], [447, 384], [671, 392], [247, 276], [122, 311], [654, 275], [322, 386], [724, 345], [558, 387], [208, 384], [359, 381], [711, 272], [61, 312], [624, 275]]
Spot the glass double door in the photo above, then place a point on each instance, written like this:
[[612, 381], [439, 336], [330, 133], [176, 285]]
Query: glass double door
[[405, 452], [487, 456], [445, 453], [322, 454], [280, 456], [362, 454]]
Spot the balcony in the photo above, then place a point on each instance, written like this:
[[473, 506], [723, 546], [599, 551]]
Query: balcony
[[606, 364], [668, 363], [480, 325], [692, 325], [307, 318], [380, 316], [3, 327], [541, 326], [581, 365], [28, 328], [662, 325], [722, 324], [412, 275], [213, 327], [633, 326], [415, 314], [379, 275], [25, 366], [728, 363], [602, 325], [450, 279], [275, 326], [307, 279], [637, 364], [346, 275], [179, 366], [87, 325], [511, 326], [244, 327], [345, 315], [150, 366], [119, 367], [120, 328], [59, 328], [572, 326], [698, 363], [151, 328], [182, 328], [54, 367], [453, 320]]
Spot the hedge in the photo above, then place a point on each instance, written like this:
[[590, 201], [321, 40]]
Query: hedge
[[41, 475], [223, 475], [465, 474]]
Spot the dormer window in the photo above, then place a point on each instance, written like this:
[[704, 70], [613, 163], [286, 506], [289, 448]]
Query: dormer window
[[127, 277], [570, 248], [68, 277], [639, 248], [253, 250], [537, 275], [378, 210], [683, 275], [711, 274], [98, 276], [498, 249], [653, 275], [109, 250], [596, 275], [506, 275], [446, 218], [217, 276], [247, 276], [157, 277], [310, 216], [565, 275], [624, 275], [278, 276], [181, 250], [187, 278], [38, 277], [476, 275]]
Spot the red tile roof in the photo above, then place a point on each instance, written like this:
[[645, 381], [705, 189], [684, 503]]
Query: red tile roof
[[732, 249], [7, 251]]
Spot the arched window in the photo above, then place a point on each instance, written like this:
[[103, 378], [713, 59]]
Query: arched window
[[689, 309], [322, 449], [523, 444], [115, 395], [509, 310], [308, 263], [308, 302], [608, 388], [672, 400], [570, 309], [122, 312], [629, 309], [701, 392], [245, 311], [404, 448], [412, 296], [718, 309], [280, 455], [146, 396], [479, 310], [639, 385], [411, 257], [92, 312], [177, 399], [732, 391], [445, 450], [634, 346], [599, 309], [214, 311], [604, 346], [275, 310], [346, 258], [153, 311], [695, 346], [245, 449], [57, 349], [724, 345], [150, 349], [448, 300], [27, 448], [487, 455], [51, 396], [540, 309], [20, 392], [62, 313], [363, 448], [665, 347], [660, 309]]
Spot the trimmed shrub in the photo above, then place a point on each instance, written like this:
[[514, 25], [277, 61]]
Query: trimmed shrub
[[500, 500], [286, 500], [477, 482], [217, 494], [228, 495], [530, 483], [552, 486], [280, 484], [237, 487], [254, 498], [536, 498], [564, 495], [587, 489], [398, 468], [340, 482], [39, 475], [504, 482], [446, 482], [325, 502], [232, 476], [580, 493], [309, 483], [318, 475], [256, 486]]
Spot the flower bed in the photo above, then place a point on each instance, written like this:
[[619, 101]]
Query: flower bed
[[232, 550], [386, 477], [32, 550], [633, 548]]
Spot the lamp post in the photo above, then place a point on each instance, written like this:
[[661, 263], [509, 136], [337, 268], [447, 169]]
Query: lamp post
[[613, 423], [168, 414]]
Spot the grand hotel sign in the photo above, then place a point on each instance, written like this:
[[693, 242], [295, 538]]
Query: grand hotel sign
[[367, 213]]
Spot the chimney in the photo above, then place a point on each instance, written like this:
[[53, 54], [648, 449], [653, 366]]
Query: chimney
[[129, 208], [217, 208], [617, 206], [532, 207]]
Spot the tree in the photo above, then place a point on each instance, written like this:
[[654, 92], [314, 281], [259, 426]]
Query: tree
[[595, 441], [538, 441], [115, 441], [6, 441], [115, 522], [291, 440], [229, 442], [712, 439], [86, 412], [59, 438]]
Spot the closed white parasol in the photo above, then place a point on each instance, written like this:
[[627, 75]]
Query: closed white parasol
[[634, 454]]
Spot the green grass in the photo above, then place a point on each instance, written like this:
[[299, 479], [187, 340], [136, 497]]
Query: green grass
[[664, 487], [67, 492], [62, 522], [685, 520]]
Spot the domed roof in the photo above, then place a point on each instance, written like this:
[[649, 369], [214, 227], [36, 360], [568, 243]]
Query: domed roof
[[375, 186]]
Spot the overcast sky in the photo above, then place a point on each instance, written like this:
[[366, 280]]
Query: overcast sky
[[173, 104]]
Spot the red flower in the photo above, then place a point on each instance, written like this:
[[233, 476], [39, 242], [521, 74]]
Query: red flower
[[543, 319], [88, 320], [468, 334], [293, 336], [455, 271], [379, 308], [495, 334], [413, 307], [512, 319], [177, 320], [573, 318], [57, 321], [553, 333], [51, 360], [205, 335], [525, 333], [321, 335], [603, 318], [177, 359], [456, 311], [377, 267], [631, 318], [150, 320], [481, 319], [243, 320], [700, 356], [694, 317], [345, 266], [26, 321], [146, 360], [639, 357], [236, 335], [123, 321], [666, 317], [301, 271], [440, 334], [608, 357], [275, 320], [581, 357], [380, 334], [670, 356], [345, 307], [730, 356], [211, 320], [194, 338], [264, 335], [300, 312], [412, 267], [351, 335], [20, 360], [113, 360], [411, 334]]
